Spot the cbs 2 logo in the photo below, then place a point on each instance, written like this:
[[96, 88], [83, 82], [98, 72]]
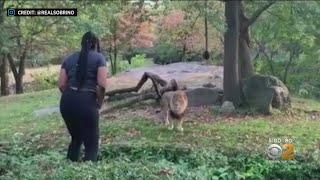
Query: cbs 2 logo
[[286, 152]]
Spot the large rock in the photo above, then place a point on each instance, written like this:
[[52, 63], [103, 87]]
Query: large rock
[[266, 92], [227, 108], [204, 96]]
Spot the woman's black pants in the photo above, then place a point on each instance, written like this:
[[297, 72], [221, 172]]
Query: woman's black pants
[[80, 112]]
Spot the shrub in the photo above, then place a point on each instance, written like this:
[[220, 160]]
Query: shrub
[[193, 56], [130, 53], [138, 60], [157, 161], [166, 54], [302, 80], [44, 80]]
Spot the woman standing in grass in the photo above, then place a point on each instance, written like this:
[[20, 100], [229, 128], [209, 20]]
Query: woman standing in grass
[[80, 75]]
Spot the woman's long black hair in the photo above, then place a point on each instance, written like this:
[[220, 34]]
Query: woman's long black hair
[[89, 41]]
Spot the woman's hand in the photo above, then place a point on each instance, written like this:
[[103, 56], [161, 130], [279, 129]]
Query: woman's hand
[[101, 91]]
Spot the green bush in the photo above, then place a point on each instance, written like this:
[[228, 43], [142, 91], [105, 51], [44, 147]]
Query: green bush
[[157, 161], [303, 77], [166, 54], [130, 53], [193, 56], [43, 81], [138, 60], [216, 58]]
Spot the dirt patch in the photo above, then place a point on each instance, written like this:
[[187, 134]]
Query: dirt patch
[[153, 112]]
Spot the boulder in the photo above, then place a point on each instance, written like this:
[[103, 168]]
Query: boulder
[[204, 96], [227, 108], [264, 92]]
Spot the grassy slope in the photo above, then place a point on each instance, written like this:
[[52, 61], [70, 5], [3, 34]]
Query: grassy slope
[[39, 144]]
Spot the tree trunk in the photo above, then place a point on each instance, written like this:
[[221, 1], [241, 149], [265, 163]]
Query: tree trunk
[[206, 32], [206, 26], [4, 77], [19, 84], [115, 61], [184, 49], [245, 63], [206, 55], [18, 75], [114, 54], [111, 57], [287, 67], [2, 13], [231, 43]]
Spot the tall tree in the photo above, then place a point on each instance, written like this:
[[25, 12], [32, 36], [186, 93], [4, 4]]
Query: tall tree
[[231, 45], [23, 44], [288, 37], [22, 35], [180, 25], [245, 64], [124, 22], [4, 77], [206, 52]]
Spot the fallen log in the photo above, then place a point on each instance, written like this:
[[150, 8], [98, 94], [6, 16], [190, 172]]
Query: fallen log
[[126, 95], [147, 75], [129, 102], [132, 94]]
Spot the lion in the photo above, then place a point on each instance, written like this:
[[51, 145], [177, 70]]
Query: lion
[[174, 105]]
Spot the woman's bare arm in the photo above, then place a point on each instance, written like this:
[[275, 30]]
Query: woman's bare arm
[[63, 80], [102, 76], [102, 84]]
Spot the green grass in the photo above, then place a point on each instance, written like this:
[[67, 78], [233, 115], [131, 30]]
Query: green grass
[[17, 112], [135, 147]]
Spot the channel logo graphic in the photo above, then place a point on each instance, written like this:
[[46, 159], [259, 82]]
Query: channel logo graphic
[[286, 152], [11, 12]]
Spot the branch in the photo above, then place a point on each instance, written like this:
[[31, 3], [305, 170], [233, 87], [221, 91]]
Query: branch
[[276, 15], [23, 58], [144, 78], [256, 14], [45, 27], [194, 22], [37, 32]]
